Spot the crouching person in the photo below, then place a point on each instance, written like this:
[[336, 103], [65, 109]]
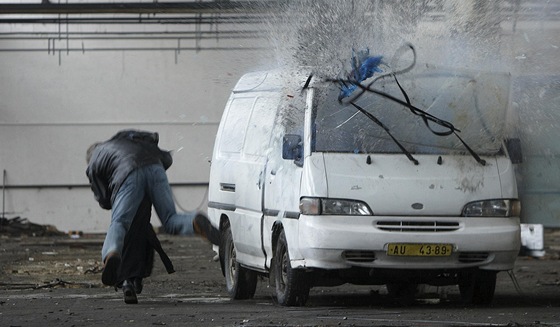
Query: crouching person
[[127, 176]]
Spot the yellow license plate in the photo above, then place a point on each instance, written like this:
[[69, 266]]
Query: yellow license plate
[[419, 250]]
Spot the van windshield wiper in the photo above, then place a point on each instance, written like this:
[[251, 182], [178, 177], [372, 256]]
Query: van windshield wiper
[[425, 116], [378, 122]]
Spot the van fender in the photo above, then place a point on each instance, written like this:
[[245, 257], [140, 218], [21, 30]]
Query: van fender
[[291, 229]]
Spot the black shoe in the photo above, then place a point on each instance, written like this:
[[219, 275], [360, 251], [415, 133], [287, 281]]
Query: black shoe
[[138, 285], [204, 228], [110, 269], [129, 293]]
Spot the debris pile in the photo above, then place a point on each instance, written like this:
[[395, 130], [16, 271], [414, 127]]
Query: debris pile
[[18, 226]]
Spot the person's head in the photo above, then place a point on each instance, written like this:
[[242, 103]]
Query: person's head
[[90, 151]]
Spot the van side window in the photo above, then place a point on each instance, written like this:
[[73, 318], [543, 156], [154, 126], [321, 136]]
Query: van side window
[[258, 131], [231, 140]]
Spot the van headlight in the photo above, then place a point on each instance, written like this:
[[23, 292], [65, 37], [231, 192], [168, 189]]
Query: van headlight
[[493, 208], [335, 207]]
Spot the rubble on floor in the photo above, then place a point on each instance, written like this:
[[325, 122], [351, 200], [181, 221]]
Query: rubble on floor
[[19, 226]]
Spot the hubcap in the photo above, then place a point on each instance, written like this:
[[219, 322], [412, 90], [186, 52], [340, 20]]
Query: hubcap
[[232, 263], [284, 270]]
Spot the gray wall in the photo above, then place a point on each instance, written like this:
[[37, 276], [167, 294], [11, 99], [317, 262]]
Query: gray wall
[[54, 106]]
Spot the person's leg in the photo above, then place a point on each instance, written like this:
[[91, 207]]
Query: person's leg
[[125, 206], [162, 199], [188, 223], [129, 292], [138, 254]]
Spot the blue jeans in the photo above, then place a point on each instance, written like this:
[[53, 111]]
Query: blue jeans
[[150, 181]]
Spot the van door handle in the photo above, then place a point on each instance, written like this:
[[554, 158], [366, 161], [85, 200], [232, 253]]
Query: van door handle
[[260, 180], [227, 187]]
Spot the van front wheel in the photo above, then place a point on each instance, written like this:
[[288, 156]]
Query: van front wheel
[[402, 293], [241, 282], [292, 285], [477, 287]]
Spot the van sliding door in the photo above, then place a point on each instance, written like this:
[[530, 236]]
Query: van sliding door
[[250, 176]]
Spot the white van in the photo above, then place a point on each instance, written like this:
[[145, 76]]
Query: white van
[[310, 191]]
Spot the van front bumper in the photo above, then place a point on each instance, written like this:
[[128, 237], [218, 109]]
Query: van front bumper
[[339, 242]]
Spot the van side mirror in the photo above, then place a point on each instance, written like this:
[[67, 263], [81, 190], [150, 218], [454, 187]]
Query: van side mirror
[[292, 148], [513, 147]]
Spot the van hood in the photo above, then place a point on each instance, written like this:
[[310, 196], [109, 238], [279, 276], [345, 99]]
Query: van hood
[[392, 185]]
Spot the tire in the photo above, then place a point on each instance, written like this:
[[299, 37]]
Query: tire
[[402, 293], [477, 288], [292, 285], [241, 282]]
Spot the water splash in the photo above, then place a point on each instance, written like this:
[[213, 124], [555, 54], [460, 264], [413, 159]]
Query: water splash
[[480, 35], [511, 36]]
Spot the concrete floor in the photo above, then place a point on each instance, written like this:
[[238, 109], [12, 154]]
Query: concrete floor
[[48, 281]]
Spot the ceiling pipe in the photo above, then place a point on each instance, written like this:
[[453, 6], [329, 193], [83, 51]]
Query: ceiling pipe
[[189, 7], [133, 20]]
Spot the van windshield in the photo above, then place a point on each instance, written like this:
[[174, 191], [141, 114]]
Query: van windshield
[[475, 103]]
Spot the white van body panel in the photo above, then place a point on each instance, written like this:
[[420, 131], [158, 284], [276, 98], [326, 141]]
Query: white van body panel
[[258, 192], [238, 165], [314, 181], [391, 184]]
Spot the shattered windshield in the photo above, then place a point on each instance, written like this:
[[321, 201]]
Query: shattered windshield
[[475, 103]]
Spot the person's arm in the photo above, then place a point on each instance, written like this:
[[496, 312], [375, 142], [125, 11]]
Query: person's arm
[[100, 189]]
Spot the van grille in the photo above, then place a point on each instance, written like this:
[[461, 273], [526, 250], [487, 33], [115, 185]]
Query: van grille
[[417, 226], [359, 256], [472, 257]]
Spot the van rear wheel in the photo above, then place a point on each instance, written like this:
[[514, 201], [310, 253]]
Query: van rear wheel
[[241, 282], [292, 285]]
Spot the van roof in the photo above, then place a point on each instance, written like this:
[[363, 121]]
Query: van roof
[[270, 80]]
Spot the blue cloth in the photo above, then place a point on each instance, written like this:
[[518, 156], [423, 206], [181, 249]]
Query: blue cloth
[[363, 67], [150, 181]]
